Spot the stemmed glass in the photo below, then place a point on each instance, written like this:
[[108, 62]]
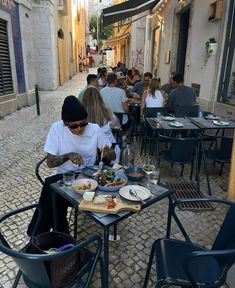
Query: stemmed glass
[[149, 167]]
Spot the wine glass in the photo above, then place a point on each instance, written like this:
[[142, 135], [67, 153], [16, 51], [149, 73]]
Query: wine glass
[[148, 167]]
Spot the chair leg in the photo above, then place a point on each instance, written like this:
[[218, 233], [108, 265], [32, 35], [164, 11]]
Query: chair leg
[[191, 172], [182, 170], [19, 273], [221, 169], [149, 266], [101, 272]]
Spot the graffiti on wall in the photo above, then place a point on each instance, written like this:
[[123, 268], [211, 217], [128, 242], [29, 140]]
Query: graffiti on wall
[[137, 59], [8, 3]]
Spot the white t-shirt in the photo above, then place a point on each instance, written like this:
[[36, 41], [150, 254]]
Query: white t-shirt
[[60, 140], [155, 102], [114, 97]]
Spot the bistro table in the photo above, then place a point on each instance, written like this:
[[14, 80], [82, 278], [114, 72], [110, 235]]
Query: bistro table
[[158, 192], [204, 124], [159, 125]]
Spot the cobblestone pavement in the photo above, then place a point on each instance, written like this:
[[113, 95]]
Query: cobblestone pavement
[[22, 135]]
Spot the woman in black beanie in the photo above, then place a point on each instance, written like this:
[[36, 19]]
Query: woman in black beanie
[[71, 144]]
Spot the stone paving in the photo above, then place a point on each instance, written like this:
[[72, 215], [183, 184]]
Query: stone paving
[[22, 136]]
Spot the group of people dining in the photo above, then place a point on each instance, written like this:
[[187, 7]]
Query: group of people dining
[[85, 130]]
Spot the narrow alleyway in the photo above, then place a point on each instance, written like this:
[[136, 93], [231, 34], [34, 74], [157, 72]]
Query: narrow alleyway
[[22, 136]]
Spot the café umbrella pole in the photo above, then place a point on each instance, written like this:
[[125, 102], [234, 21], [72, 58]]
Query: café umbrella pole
[[37, 99]]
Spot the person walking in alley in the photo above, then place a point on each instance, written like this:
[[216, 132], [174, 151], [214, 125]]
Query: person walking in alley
[[71, 144], [181, 96]]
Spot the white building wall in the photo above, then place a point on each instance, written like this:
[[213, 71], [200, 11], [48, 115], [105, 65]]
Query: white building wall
[[137, 44], [45, 45], [26, 24], [196, 70]]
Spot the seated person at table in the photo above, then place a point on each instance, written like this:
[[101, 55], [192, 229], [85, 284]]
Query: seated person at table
[[71, 144], [135, 78], [142, 86], [168, 87], [92, 80], [181, 96], [153, 96], [99, 113], [115, 98]]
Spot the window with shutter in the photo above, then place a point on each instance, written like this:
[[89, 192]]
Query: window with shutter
[[6, 85]]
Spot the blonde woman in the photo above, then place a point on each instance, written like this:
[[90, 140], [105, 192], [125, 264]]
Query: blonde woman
[[99, 113], [152, 97]]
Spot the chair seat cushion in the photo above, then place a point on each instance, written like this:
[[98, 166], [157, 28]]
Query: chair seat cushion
[[171, 255]]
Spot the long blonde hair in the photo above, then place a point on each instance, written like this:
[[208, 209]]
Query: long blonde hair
[[98, 111], [154, 85]]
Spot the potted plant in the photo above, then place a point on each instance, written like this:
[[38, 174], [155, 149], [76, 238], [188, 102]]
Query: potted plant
[[211, 46]]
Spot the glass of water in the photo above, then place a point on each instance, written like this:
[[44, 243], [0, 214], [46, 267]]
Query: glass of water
[[68, 178], [148, 167]]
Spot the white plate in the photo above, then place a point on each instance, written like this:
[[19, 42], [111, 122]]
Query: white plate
[[142, 192], [212, 117], [77, 185], [220, 123], [176, 124], [168, 118]]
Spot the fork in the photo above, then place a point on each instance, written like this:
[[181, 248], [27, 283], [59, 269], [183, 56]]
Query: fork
[[134, 193]]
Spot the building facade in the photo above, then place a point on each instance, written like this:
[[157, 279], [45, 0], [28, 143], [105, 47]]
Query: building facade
[[41, 42], [197, 39]]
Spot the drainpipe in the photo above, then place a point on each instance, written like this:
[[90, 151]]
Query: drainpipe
[[147, 44]]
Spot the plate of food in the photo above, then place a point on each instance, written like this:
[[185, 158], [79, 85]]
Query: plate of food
[[168, 118], [176, 124], [220, 123], [83, 185], [142, 192], [111, 181]]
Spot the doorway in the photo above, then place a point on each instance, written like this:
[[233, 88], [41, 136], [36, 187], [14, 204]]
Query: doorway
[[182, 42]]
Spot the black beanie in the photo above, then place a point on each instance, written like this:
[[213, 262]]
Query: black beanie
[[73, 110]]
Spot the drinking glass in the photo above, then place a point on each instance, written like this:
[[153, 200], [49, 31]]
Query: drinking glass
[[68, 178], [148, 167], [154, 176]]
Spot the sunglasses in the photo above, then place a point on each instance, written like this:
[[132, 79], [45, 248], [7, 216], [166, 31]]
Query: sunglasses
[[75, 126]]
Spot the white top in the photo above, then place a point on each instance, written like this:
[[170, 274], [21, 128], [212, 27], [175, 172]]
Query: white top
[[114, 97], [60, 140], [155, 102], [108, 132]]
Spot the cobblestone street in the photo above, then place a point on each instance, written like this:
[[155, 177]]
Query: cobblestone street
[[22, 136]]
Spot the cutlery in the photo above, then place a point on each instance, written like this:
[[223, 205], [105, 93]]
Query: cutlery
[[134, 193]]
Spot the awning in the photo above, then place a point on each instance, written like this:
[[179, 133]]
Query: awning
[[112, 41], [126, 9]]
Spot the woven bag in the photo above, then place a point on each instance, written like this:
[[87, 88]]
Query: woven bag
[[62, 270]]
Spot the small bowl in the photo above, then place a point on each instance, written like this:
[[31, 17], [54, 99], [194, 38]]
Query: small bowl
[[135, 173], [77, 185]]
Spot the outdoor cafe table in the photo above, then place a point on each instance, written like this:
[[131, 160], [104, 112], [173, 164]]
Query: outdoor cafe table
[[204, 124], [160, 125], [108, 220]]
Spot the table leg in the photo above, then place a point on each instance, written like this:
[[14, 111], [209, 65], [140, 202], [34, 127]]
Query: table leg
[[75, 221], [106, 257], [54, 207], [205, 167]]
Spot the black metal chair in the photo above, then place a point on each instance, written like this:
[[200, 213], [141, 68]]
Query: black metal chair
[[182, 111], [147, 133], [33, 267], [37, 170], [198, 113], [181, 151], [186, 264], [222, 151], [126, 128]]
